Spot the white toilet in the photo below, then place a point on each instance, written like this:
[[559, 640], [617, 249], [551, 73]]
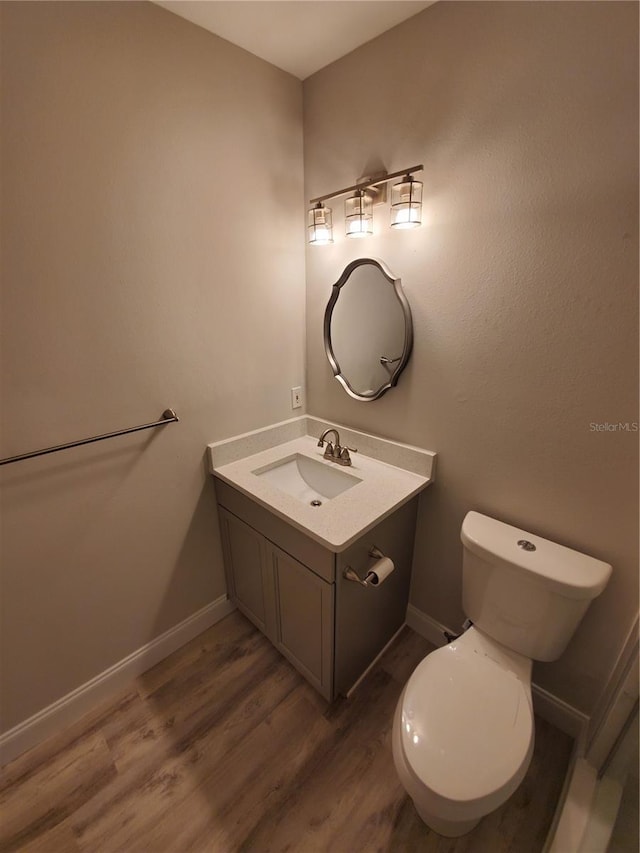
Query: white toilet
[[463, 729]]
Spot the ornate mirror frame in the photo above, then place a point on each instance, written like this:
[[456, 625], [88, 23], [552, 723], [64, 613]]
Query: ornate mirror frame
[[397, 363]]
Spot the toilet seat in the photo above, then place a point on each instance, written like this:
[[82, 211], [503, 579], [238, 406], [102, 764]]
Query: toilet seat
[[466, 729]]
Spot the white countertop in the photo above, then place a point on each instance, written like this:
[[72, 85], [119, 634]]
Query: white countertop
[[341, 520]]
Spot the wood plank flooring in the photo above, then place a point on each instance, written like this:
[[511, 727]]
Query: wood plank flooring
[[223, 747]]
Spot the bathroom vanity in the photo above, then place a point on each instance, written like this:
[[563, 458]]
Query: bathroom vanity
[[294, 524]]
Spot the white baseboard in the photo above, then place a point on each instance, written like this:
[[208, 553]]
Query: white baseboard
[[552, 709], [427, 627], [74, 705], [558, 712]]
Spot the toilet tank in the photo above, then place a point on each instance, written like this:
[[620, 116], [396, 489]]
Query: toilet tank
[[526, 592]]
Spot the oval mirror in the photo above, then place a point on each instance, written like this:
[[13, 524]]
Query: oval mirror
[[367, 329]]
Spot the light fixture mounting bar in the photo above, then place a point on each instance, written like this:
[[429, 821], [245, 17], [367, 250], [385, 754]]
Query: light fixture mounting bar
[[366, 184]]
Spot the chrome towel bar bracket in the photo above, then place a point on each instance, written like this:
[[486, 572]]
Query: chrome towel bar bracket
[[168, 417]]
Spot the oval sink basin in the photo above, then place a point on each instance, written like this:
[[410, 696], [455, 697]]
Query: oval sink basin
[[307, 479]]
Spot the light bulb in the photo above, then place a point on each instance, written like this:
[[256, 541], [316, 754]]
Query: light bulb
[[319, 225], [358, 215], [406, 203]]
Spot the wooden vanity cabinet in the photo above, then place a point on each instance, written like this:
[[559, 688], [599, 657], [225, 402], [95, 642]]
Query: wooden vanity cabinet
[[249, 576], [304, 619], [287, 601], [294, 591]]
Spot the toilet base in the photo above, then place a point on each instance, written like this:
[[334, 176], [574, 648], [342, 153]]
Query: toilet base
[[448, 828]]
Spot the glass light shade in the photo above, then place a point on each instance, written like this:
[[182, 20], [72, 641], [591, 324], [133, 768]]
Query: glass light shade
[[358, 215], [319, 225], [406, 203]]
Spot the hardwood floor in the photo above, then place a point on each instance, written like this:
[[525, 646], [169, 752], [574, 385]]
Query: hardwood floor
[[223, 747]]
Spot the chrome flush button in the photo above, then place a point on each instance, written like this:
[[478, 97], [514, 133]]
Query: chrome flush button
[[526, 545]]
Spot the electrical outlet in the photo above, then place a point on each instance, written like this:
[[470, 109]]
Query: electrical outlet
[[296, 397]]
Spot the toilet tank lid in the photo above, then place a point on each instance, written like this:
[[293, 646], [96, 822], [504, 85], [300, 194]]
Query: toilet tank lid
[[569, 572]]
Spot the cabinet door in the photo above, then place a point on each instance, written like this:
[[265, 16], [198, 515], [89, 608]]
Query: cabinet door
[[304, 620], [249, 572]]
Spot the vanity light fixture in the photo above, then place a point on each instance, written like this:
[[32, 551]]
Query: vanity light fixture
[[358, 214], [319, 225], [406, 203], [406, 206]]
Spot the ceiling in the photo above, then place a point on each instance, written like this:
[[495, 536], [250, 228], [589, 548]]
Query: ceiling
[[299, 36]]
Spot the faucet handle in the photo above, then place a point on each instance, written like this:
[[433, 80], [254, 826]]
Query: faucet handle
[[328, 451], [345, 459]]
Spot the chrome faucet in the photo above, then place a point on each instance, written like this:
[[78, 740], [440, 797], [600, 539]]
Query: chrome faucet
[[335, 453], [325, 434]]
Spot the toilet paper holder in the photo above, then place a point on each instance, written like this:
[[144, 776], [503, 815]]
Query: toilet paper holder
[[351, 575]]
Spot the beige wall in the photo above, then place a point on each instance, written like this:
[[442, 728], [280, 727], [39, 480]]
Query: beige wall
[[133, 280], [523, 282]]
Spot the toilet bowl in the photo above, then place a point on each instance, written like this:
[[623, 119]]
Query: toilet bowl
[[463, 730]]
